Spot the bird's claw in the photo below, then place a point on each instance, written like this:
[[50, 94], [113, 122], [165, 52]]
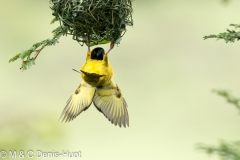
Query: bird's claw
[[111, 46]]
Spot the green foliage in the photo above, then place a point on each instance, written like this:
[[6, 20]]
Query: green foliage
[[230, 99], [26, 56], [226, 151], [229, 36], [225, 1]]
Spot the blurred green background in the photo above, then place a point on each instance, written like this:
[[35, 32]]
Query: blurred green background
[[163, 66]]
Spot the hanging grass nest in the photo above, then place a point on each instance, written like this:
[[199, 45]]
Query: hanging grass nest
[[100, 20]]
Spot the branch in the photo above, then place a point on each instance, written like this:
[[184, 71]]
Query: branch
[[230, 99], [229, 36], [227, 151], [27, 59]]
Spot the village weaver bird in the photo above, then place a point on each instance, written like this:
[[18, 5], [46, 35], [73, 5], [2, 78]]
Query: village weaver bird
[[97, 87]]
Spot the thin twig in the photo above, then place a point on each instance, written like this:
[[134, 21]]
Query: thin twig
[[38, 51]]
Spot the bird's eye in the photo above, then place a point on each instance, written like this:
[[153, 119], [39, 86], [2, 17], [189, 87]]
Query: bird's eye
[[97, 53]]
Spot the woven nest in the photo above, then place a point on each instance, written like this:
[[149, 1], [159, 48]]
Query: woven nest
[[100, 20]]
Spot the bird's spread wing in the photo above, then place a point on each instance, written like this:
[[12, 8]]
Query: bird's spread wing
[[110, 102], [79, 101]]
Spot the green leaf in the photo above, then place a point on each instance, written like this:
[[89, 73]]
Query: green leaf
[[99, 43], [118, 40], [14, 58], [230, 99], [54, 20]]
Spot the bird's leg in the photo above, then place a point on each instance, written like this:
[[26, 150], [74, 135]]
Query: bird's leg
[[88, 43], [111, 46]]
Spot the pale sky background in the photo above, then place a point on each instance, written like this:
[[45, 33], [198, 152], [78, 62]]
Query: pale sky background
[[165, 69]]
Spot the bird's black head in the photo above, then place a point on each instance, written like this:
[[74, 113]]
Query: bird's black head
[[97, 53]]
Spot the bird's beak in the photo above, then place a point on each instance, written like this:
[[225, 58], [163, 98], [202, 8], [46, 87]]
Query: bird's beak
[[95, 75]]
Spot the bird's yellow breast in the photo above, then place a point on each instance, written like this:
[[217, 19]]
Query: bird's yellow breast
[[97, 72]]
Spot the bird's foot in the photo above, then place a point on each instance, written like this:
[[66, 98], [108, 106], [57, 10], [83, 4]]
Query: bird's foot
[[111, 46]]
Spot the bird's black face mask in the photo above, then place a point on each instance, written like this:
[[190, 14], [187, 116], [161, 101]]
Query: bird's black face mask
[[97, 53]]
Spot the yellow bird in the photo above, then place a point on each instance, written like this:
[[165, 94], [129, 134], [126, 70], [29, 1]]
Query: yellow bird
[[97, 87]]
